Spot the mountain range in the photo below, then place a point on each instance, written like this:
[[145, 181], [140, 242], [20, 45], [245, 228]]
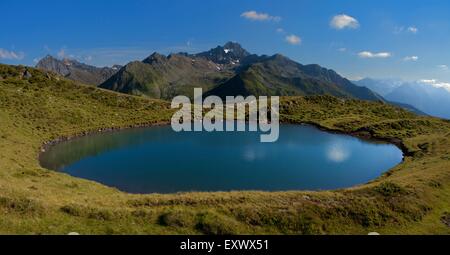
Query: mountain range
[[227, 70], [230, 70], [74, 70], [165, 77], [428, 98], [279, 75]]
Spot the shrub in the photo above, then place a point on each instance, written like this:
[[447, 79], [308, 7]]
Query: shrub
[[389, 189], [446, 219], [21, 205], [91, 213], [177, 218], [211, 223]]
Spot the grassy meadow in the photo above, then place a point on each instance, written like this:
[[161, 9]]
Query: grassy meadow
[[37, 107]]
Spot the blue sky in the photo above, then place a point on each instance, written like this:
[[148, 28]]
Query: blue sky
[[406, 39]]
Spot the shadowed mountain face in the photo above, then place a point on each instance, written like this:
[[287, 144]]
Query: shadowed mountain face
[[164, 77], [278, 75], [77, 71], [427, 98], [230, 70]]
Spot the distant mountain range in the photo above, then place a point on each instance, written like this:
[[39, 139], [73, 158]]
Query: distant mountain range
[[230, 70], [77, 71], [227, 70], [426, 97]]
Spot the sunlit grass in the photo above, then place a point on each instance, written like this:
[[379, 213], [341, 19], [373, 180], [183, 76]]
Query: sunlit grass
[[410, 198]]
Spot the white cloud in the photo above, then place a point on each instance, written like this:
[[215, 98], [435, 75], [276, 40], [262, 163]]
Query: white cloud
[[413, 30], [280, 30], [437, 84], [337, 153], [62, 53], [443, 67], [411, 58], [256, 16], [293, 39], [344, 21], [11, 55], [355, 78], [368, 54], [428, 81], [402, 29], [342, 49]]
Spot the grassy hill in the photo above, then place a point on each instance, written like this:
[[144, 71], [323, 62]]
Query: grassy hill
[[164, 77], [36, 107]]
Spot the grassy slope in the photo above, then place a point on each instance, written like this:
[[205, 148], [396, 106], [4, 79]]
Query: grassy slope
[[167, 78], [410, 198], [281, 76]]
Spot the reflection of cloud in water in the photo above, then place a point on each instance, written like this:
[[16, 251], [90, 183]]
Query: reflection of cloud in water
[[251, 154], [337, 153]]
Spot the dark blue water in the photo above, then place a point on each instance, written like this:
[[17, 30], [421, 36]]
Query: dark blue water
[[159, 160]]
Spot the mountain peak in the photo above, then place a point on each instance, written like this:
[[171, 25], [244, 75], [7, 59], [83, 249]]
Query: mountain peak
[[48, 56], [233, 46], [231, 53], [154, 58], [51, 60], [74, 70], [281, 60], [279, 56], [53, 64]]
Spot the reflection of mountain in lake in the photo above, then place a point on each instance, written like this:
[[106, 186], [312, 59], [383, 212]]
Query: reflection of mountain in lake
[[161, 160], [66, 153]]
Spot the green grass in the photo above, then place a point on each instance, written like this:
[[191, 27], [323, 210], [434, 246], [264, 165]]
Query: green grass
[[411, 198], [171, 77]]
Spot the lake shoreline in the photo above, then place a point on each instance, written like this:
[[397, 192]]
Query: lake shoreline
[[359, 135]]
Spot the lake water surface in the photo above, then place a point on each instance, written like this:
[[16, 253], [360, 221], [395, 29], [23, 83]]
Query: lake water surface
[[157, 159]]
